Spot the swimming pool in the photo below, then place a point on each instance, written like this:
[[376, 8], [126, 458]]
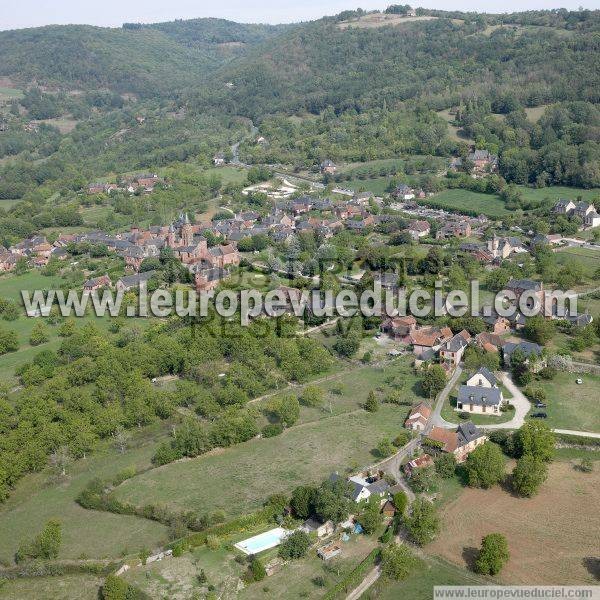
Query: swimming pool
[[262, 541]]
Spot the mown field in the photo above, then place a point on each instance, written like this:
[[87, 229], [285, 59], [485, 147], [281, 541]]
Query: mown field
[[460, 200], [66, 587], [587, 258], [563, 517], [573, 406], [240, 478]]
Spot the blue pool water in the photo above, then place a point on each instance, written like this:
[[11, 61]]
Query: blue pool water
[[263, 541]]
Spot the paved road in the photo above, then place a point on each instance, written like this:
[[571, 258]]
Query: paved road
[[436, 419]]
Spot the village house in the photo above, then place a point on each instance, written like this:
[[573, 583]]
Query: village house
[[564, 207], [592, 219], [531, 351], [429, 338], [97, 283], [480, 394], [533, 289], [452, 351], [403, 192], [418, 417], [419, 229], [490, 342], [582, 209], [328, 167], [129, 282], [219, 159], [421, 462], [320, 529], [399, 328], [454, 229], [483, 161], [460, 442], [364, 487], [503, 247]]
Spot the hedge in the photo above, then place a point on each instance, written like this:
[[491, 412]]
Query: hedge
[[576, 440], [355, 576]]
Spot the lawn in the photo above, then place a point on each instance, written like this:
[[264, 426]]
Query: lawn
[[9, 93], [65, 587], [419, 584], [240, 478], [572, 406], [451, 415], [37, 498], [493, 206], [561, 518], [550, 195]]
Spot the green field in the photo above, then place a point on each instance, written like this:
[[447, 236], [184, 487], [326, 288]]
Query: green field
[[587, 258], [459, 200], [37, 498], [9, 93], [65, 587], [572, 406], [550, 195], [377, 185], [419, 584], [240, 478]]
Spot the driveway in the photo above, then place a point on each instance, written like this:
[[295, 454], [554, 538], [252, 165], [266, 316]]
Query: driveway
[[519, 401], [436, 419]]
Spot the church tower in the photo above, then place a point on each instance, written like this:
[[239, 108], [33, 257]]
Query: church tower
[[171, 236], [187, 234]]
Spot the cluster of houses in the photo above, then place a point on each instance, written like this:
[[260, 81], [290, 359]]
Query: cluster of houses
[[144, 183], [582, 210], [483, 162]]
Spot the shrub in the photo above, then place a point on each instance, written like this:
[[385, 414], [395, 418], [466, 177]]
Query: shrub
[[272, 429]]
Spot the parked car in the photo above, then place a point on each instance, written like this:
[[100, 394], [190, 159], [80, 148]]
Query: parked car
[[539, 415], [579, 381], [541, 405]]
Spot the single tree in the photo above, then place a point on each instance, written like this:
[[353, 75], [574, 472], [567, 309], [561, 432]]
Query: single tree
[[372, 404], [423, 523], [397, 561], [485, 466], [493, 554], [528, 475]]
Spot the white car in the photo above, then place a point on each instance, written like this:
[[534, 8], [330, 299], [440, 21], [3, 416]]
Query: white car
[[579, 381]]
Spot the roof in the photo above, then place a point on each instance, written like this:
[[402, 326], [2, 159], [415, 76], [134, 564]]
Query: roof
[[446, 437], [134, 280], [467, 432], [458, 342], [422, 461], [430, 336], [523, 284], [420, 409], [480, 396], [487, 374], [528, 348]]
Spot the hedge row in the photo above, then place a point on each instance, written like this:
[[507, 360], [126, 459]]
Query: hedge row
[[576, 440], [355, 576], [38, 568], [238, 525]]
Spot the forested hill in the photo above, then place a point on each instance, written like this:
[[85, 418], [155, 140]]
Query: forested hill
[[439, 59], [145, 60]]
